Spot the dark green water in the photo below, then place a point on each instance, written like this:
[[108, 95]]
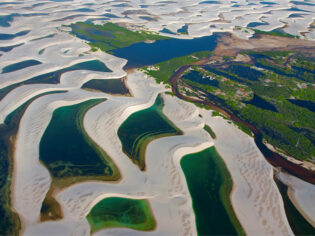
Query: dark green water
[[66, 149], [116, 212], [210, 185], [297, 222], [113, 86], [142, 127]]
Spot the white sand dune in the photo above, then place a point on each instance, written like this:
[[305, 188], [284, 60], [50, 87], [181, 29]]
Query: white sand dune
[[163, 183], [255, 197], [31, 179], [302, 195]]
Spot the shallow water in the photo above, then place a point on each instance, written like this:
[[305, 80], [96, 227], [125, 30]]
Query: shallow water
[[116, 212], [54, 77], [20, 65], [12, 36]]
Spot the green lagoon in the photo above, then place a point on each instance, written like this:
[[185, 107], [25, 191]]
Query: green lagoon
[[69, 153], [142, 127], [114, 212], [112, 86], [210, 186]]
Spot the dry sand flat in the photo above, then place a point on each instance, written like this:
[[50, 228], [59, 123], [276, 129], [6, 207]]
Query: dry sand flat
[[231, 45]]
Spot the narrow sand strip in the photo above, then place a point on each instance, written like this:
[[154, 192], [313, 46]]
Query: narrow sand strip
[[302, 195]]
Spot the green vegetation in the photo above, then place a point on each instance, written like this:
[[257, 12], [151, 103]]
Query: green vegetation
[[210, 186], [69, 153], [258, 92], [275, 33], [111, 36], [166, 69], [112, 86], [117, 212], [210, 131], [169, 93], [142, 127], [244, 128], [40, 52]]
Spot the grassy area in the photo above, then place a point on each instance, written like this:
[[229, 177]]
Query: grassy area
[[210, 131], [115, 212], [164, 70], [274, 33], [244, 128], [260, 94], [142, 127], [111, 36]]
